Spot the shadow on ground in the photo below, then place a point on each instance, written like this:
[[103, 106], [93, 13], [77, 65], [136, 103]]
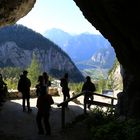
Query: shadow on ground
[[18, 125]]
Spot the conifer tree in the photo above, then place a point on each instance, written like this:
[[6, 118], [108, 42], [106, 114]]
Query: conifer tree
[[34, 70]]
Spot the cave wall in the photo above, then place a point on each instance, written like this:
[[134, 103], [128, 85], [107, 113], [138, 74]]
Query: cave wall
[[119, 21]]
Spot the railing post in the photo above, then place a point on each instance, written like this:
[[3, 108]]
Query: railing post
[[63, 116], [85, 104], [112, 102], [63, 104]]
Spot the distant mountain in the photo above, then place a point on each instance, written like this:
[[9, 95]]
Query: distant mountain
[[58, 36], [18, 43], [104, 58], [86, 50]]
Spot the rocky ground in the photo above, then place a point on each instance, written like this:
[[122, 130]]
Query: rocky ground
[[18, 125]]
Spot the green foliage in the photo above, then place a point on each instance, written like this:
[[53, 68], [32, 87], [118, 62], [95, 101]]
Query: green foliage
[[99, 117], [10, 72], [110, 131], [101, 85], [76, 87], [34, 70], [11, 83], [10, 76], [104, 126]]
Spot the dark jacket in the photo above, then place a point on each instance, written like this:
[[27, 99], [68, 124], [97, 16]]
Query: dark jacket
[[88, 86], [44, 103], [24, 84]]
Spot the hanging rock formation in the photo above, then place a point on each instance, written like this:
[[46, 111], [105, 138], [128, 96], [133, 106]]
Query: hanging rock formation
[[12, 10]]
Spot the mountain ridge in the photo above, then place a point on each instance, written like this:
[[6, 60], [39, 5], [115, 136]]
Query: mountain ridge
[[84, 47], [18, 43]]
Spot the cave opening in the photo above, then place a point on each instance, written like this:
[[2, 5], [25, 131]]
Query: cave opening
[[65, 18], [64, 24]]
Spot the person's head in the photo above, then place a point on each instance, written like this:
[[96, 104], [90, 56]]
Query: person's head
[[88, 78], [25, 72], [45, 75]]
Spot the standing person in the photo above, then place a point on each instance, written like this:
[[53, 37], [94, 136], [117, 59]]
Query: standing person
[[65, 88], [24, 85], [88, 87], [39, 85], [44, 103], [46, 79], [2, 89]]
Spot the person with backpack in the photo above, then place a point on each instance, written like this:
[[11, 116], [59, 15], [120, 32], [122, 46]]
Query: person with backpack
[[44, 103], [88, 87], [24, 85], [3, 90], [65, 88], [47, 82]]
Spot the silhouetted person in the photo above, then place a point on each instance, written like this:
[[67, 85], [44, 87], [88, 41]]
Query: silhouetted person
[[3, 89], [46, 79], [39, 85], [65, 88], [88, 87], [24, 85], [44, 103]]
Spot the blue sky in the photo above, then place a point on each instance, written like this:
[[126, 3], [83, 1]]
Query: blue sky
[[62, 14]]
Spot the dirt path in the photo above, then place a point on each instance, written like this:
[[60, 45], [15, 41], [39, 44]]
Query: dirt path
[[18, 125]]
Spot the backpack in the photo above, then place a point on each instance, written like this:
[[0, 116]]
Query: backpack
[[62, 82]]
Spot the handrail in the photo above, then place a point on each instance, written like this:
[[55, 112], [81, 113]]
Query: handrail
[[83, 93], [104, 96], [85, 102], [70, 99]]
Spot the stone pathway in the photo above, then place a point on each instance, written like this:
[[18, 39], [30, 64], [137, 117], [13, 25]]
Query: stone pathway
[[18, 125]]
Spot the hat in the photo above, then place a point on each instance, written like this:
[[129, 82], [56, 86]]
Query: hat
[[25, 72], [88, 77]]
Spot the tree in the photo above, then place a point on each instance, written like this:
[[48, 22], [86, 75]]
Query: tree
[[34, 70]]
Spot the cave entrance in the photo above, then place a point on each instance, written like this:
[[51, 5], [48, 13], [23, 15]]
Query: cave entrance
[[63, 23]]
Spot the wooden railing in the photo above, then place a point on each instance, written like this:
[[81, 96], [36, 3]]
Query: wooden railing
[[85, 102], [63, 108], [111, 104]]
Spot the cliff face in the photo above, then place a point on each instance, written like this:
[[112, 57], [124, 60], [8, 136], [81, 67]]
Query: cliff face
[[86, 50], [14, 52], [12, 55], [115, 77]]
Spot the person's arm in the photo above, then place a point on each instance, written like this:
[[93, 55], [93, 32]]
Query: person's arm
[[4, 83], [19, 86], [83, 87], [50, 99]]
